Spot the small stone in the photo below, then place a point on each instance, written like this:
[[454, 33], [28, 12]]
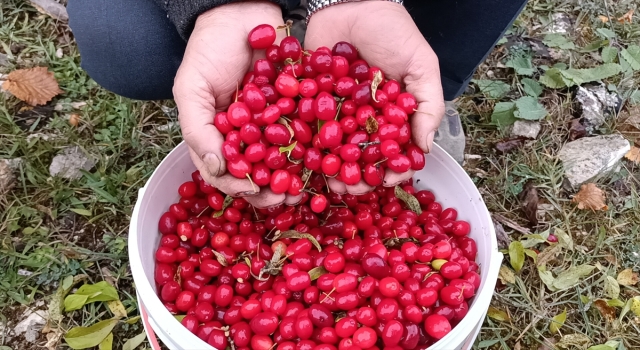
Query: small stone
[[526, 128], [51, 8], [59, 53], [8, 168], [69, 162], [32, 323], [588, 158], [596, 104], [171, 112], [4, 59], [560, 23], [168, 126]]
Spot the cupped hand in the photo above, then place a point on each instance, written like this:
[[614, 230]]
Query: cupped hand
[[386, 37], [215, 61]]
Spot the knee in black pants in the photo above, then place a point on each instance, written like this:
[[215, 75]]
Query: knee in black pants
[[128, 47]]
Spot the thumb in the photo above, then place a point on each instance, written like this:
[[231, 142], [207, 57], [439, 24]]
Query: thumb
[[423, 82], [196, 110]]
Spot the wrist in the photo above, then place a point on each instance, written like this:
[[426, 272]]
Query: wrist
[[243, 15], [317, 5]]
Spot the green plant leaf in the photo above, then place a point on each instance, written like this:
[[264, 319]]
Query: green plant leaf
[[609, 54], [83, 212], [594, 46], [580, 76], [528, 107], [101, 291], [134, 342], [75, 302], [503, 114], [553, 78], [494, 89], [522, 65], [497, 314], [634, 98], [516, 255], [106, 343], [557, 321], [601, 347], [87, 337], [606, 33], [564, 239], [632, 55], [227, 202], [572, 276], [559, 41], [611, 288], [615, 303], [411, 201], [531, 87]]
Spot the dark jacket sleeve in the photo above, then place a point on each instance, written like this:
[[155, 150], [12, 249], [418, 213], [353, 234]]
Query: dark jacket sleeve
[[183, 13]]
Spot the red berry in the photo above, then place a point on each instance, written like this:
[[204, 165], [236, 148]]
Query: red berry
[[262, 36]]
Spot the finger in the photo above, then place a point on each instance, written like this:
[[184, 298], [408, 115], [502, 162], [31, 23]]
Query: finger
[[391, 178], [196, 109], [359, 188], [337, 186], [293, 200], [423, 82], [226, 183], [266, 199]]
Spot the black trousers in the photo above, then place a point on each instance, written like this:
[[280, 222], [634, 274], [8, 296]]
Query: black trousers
[[132, 49]]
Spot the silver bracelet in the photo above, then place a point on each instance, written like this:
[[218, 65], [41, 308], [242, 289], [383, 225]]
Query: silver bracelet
[[317, 5]]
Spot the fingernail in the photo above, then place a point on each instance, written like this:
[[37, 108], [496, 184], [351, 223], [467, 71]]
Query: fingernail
[[213, 164], [429, 140], [246, 194]]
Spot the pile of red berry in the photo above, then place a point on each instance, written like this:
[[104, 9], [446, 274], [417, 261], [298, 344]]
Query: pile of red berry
[[386, 270], [325, 111]]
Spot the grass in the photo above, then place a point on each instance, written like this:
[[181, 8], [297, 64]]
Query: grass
[[52, 228]]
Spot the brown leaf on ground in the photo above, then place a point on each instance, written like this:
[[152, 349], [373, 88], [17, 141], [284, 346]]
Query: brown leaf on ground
[[603, 19], [508, 145], [529, 199], [627, 17], [633, 155], [590, 197], [576, 130], [36, 86], [627, 278], [608, 312]]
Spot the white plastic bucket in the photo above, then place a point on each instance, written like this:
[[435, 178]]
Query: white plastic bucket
[[442, 175]]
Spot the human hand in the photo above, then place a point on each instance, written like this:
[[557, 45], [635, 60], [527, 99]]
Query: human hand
[[215, 61], [386, 37]]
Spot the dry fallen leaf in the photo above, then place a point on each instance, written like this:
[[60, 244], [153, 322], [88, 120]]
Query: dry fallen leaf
[[510, 144], [633, 155], [627, 277], [529, 199], [36, 86], [608, 312], [590, 197], [74, 119], [604, 19], [577, 130], [627, 17]]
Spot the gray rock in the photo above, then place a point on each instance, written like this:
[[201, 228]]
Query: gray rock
[[560, 23], [51, 8], [526, 128], [8, 168], [32, 323], [4, 59], [596, 104], [590, 157], [69, 162]]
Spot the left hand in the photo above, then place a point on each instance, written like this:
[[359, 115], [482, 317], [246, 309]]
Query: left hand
[[386, 37]]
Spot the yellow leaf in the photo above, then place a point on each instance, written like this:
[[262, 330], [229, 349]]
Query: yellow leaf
[[604, 19], [633, 155], [36, 86], [627, 17], [516, 255], [498, 314], [635, 305], [557, 322], [506, 275], [117, 309], [590, 197], [107, 343], [627, 277]]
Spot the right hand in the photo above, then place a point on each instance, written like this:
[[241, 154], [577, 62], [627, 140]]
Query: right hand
[[215, 61]]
